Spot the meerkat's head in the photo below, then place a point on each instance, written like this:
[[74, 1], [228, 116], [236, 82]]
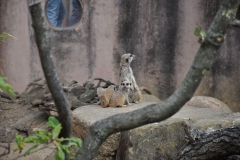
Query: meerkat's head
[[126, 85], [126, 59]]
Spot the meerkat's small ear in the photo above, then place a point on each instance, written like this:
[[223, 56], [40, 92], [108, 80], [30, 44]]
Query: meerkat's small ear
[[127, 60]]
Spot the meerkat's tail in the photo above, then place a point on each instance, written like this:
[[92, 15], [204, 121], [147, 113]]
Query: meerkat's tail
[[142, 88]]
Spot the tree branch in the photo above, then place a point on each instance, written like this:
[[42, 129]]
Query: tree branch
[[100, 130], [215, 145], [44, 48]]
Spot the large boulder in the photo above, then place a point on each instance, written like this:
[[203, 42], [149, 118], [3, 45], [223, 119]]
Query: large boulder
[[84, 116], [153, 141], [208, 102], [164, 140]]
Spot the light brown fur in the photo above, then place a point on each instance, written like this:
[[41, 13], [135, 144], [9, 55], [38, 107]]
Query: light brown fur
[[126, 72], [120, 98], [135, 96], [105, 95]]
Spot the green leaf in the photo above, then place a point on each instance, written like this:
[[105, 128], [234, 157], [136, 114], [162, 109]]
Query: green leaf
[[6, 86], [6, 35], [59, 154], [56, 131], [65, 148], [197, 30], [41, 132], [32, 139], [20, 142], [30, 149], [43, 135], [52, 122], [77, 141], [203, 35], [44, 139]]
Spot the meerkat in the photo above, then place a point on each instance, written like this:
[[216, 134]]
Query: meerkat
[[135, 95], [120, 97], [105, 95], [127, 73]]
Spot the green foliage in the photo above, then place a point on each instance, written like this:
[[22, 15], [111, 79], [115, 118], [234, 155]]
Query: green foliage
[[6, 86], [199, 32], [5, 36], [3, 84], [42, 137]]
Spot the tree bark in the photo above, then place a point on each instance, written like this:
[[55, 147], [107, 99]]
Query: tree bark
[[215, 36], [217, 145], [42, 41]]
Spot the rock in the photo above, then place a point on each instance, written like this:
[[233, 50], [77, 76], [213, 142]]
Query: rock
[[208, 102], [150, 98], [84, 116], [164, 140], [153, 141], [46, 153]]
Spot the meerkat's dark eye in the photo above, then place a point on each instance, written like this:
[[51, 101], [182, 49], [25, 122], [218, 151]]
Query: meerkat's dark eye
[[130, 84], [122, 84], [127, 84], [131, 55], [127, 60]]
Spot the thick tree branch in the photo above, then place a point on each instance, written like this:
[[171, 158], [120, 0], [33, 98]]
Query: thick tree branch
[[43, 44], [215, 145], [100, 130]]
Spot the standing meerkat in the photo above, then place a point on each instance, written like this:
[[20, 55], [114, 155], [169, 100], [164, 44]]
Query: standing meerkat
[[105, 95], [127, 73], [120, 97]]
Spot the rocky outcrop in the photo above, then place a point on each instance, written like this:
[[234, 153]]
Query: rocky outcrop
[[208, 102], [162, 140]]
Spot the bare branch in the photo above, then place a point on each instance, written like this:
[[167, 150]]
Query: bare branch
[[100, 130]]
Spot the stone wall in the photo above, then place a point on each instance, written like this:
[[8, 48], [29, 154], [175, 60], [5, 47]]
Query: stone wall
[[158, 32]]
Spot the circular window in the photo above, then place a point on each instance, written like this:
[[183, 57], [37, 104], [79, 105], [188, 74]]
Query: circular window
[[63, 13]]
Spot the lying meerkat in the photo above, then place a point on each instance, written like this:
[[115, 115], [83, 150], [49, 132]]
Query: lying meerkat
[[120, 97], [127, 73], [105, 95]]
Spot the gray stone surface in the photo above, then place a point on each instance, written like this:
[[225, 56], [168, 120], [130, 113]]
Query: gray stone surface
[[153, 141], [45, 153], [208, 102], [84, 116]]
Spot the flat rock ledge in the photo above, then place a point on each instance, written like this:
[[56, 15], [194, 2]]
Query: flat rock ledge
[[161, 140]]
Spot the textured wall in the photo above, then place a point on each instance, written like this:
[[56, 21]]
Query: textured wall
[[158, 32], [15, 53]]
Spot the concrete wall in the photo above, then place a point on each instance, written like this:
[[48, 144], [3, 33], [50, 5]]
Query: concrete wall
[[158, 32]]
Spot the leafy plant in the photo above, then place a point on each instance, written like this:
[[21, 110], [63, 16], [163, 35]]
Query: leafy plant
[[6, 35], [199, 32], [43, 137], [6, 86], [3, 84]]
